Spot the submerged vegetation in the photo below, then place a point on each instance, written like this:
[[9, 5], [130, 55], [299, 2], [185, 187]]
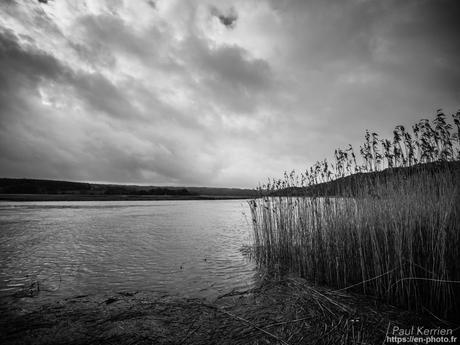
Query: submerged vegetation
[[385, 223]]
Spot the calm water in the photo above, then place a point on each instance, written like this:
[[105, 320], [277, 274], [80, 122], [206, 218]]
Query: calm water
[[184, 248]]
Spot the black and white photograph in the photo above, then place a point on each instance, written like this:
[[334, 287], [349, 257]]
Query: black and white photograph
[[231, 172]]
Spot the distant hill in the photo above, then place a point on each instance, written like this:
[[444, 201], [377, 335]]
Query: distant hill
[[65, 190], [35, 189], [351, 185], [31, 186], [223, 191]]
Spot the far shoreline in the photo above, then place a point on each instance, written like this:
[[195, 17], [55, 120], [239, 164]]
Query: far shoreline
[[89, 197]]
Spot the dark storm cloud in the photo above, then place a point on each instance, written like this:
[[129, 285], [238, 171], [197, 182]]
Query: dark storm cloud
[[26, 68], [22, 62], [232, 65], [152, 4], [422, 49], [227, 19], [229, 74], [372, 63], [411, 35], [103, 95], [21, 73]]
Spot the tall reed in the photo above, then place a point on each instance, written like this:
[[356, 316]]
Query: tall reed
[[393, 234]]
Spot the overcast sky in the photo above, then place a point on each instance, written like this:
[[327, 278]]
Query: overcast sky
[[213, 93]]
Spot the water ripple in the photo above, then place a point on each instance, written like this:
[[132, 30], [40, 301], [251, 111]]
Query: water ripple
[[188, 248]]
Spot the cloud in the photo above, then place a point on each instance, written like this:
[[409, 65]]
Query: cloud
[[152, 4], [193, 93], [228, 19], [228, 74], [24, 73], [28, 68], [37, 134]]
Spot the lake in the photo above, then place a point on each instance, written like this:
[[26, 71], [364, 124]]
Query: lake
[[182, 248]]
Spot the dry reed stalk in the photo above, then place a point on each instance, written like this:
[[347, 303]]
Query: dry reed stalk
[[397, 239]]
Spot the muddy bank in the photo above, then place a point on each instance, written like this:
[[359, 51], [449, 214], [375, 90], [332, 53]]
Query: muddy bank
[[276, 312]]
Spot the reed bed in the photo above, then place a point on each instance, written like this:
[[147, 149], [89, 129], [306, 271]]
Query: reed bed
[[393, 234]]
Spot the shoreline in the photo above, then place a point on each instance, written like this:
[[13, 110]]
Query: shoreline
[[287, 311], [87, 197]]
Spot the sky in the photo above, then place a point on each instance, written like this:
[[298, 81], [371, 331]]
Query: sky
[[213, 93]]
